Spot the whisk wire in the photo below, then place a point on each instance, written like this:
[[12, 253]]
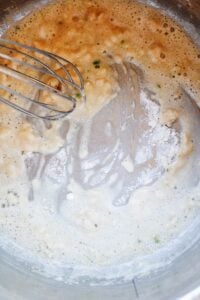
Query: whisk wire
[[53, 56], [65, 92]]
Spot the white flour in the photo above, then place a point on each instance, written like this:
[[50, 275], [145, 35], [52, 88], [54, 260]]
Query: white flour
[[67, 226]]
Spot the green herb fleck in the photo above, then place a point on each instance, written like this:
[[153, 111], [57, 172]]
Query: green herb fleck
[[78, 95], [96, 62], [156, 239]]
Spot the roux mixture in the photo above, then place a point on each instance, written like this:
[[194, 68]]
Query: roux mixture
[[110, 186]]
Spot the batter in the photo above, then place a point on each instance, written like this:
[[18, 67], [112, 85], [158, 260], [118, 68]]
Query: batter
[[110, 187]]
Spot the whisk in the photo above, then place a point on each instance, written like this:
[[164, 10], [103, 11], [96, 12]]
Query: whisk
[[51, 84]]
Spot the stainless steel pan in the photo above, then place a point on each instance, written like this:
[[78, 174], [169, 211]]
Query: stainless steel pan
[[177, 279]]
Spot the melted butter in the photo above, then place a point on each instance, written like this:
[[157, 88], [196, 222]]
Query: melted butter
[[100, 32]]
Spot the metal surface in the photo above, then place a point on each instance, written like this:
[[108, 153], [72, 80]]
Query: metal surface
[[21, 63], [176, 280]]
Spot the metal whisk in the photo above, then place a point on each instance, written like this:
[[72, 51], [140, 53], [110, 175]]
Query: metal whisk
[[52, 85]]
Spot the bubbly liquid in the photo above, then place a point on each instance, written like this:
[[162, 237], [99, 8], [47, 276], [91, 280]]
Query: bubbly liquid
[[62, 203]]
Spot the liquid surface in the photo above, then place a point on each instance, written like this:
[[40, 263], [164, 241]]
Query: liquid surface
[[118, 181]]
